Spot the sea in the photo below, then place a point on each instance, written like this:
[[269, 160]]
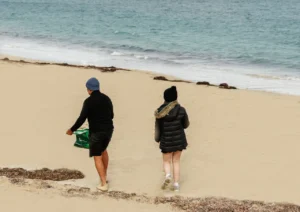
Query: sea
[[250, 44]]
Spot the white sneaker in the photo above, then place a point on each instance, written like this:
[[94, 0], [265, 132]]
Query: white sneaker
[[176, 187], [166, 182], [103, 188]]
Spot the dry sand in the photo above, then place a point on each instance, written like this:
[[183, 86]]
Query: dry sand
[[242, 144]]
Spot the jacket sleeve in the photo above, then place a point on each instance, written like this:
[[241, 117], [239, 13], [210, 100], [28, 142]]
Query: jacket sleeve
[[185, 120], [81, 119], [157, 131], [111, 107]]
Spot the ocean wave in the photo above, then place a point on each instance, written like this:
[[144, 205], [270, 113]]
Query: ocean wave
[[171, 57], [116, 53], [125, 33], [185, 67], [132, 48]]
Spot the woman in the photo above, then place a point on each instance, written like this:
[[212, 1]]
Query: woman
[[171, 120]]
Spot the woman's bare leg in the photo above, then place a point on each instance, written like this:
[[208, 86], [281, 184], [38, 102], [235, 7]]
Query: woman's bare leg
[[167, 159], [176, 167]]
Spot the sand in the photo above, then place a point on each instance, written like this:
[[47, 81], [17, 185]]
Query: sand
[[242, 144]]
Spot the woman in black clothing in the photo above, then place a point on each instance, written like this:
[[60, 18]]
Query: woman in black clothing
[[171, 120]]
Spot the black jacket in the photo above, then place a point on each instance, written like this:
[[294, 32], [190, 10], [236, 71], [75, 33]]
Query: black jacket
[[98, 109], [169, 130]]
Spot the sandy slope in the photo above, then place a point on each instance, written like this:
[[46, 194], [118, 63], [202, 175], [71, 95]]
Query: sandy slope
[[242, 144]]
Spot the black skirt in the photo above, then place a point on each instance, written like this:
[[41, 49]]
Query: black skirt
[[170, 151]]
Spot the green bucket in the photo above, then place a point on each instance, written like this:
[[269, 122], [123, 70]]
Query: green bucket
[[82, 138]]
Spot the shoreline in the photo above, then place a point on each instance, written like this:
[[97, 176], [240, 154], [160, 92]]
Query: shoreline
[[112, 69], [156, 76], [242, 76]]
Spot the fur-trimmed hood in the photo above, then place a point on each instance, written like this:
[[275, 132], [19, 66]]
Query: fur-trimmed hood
[[168, 109]]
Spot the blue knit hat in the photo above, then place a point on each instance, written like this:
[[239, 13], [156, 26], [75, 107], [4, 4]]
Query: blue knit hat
[[93, 84]]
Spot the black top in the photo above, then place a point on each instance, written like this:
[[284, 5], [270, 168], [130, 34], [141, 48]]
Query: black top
[[98, 109]]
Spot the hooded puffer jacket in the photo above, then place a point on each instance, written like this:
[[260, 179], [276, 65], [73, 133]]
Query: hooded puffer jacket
[[171, 120]]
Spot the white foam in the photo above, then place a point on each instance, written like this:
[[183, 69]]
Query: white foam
[[116, 54], [141, 57], [234, 75]]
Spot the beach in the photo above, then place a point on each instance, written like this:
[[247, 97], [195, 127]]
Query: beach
[[242, 144]]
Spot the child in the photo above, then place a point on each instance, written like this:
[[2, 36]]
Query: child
[[171, 120]]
